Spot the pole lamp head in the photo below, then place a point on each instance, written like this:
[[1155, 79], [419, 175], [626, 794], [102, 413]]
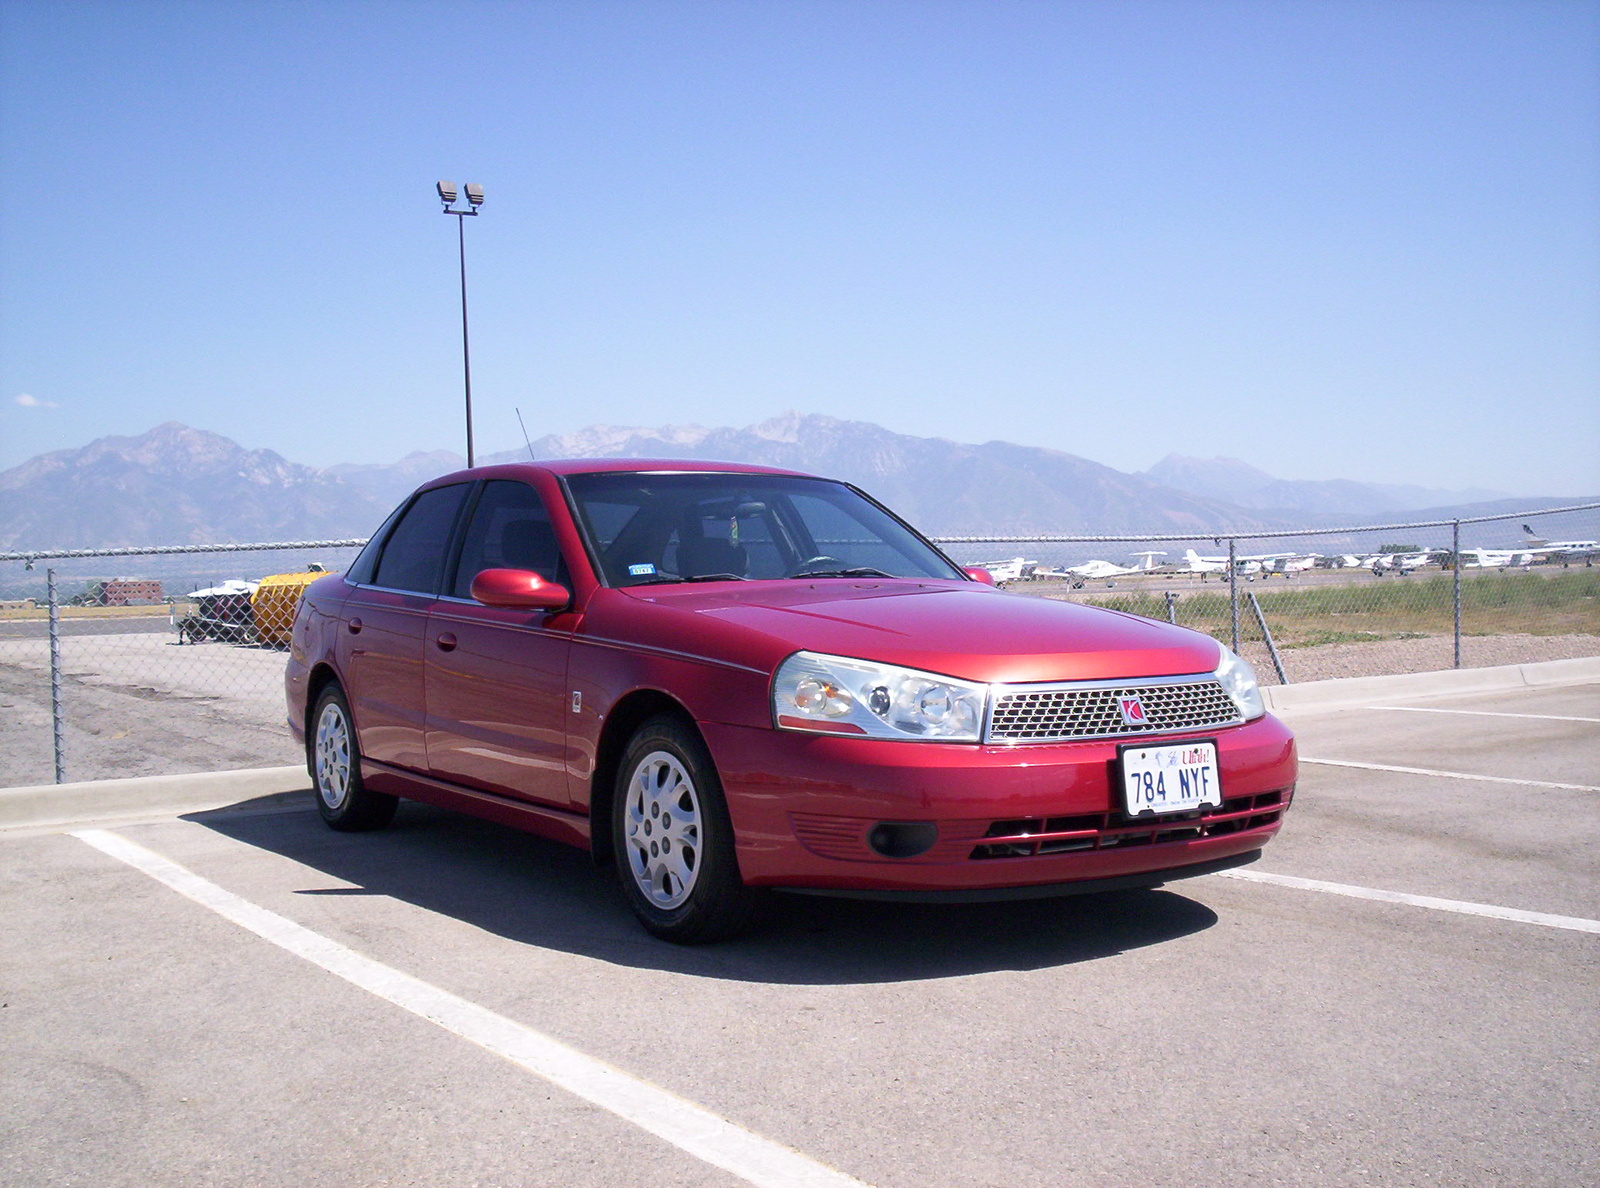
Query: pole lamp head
[[447, 192], [474, 194]]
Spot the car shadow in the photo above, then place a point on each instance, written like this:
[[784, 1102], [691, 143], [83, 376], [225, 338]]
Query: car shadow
[[536, 892]]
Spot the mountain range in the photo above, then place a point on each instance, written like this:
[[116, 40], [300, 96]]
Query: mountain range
[[172, 486], [1242, 484], [180, 485]]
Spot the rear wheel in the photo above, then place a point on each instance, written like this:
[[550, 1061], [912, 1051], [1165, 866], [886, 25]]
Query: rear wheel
[[673, 839], [335, 764]]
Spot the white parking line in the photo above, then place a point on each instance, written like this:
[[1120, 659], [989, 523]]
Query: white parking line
[[1423, 709], [1449, 775], [689, 1127], [1517, 915]]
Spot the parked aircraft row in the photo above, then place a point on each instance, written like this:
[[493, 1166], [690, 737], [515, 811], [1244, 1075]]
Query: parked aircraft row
[[1018, 568]]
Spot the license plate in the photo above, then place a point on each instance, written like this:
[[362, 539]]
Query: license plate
[[1170, 779]]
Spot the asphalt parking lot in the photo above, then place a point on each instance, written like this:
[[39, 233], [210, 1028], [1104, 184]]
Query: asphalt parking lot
[[243, 997]]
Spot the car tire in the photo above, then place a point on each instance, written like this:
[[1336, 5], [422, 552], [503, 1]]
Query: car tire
[[673, 839], [334, 761]]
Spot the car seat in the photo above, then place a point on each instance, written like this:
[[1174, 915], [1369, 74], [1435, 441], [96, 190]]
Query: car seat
[[530, 544], [697, 558]]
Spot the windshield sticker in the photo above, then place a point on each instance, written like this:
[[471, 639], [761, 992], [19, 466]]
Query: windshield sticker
[[641, 570]]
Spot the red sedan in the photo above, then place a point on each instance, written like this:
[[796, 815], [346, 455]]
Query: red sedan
[[728, 678]]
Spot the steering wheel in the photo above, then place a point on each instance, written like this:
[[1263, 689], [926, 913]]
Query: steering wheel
[[801, 569]]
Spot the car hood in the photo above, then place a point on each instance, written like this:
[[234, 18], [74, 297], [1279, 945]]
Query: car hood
[[961, 629]]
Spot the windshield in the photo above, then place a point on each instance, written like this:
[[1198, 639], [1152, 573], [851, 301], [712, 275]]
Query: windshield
[[653, 528]]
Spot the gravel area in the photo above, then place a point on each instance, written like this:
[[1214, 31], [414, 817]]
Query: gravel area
[[1430, 654], [140, 705]]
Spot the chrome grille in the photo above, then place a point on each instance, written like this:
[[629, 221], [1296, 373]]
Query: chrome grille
[[1092, 709]]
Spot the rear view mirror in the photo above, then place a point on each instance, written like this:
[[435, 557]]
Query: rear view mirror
[[978, 574], [519, 589]]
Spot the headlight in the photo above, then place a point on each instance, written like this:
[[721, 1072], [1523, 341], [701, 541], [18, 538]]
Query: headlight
[[839, 695], [1239, 679]]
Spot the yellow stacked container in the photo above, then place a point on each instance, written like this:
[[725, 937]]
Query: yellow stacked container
[[274, 604]]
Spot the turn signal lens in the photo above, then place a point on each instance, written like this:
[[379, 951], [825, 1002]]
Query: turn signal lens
[[813, 696]]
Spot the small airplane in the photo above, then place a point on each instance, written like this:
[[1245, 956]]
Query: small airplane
[[1565, 549], [1009, 571], [1194, 563], [1404, 563], [1091, 570], [1495, 558], [1251, 564]]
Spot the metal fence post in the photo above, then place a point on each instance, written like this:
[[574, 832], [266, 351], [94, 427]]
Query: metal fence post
[[55, 676], [1172, 607], [1233, 588], [1266, 634], [1455, 592]]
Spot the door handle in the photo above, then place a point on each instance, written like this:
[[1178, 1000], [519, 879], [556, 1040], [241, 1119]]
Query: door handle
[[446, 642], [355, 626]]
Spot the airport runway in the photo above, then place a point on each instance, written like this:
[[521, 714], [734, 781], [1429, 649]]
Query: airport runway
[[158, 621], [1217, 583], [1401, 992]]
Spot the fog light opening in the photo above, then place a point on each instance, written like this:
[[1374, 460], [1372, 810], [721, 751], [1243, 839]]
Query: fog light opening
[[903, 839]]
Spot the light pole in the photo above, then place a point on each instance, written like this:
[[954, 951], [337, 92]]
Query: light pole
[[447, 195]]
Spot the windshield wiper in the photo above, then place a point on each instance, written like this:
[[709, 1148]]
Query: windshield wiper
[[855, 571], [676, 581]]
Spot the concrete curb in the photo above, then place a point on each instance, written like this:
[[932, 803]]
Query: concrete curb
[[1355, 691], [46, 805]]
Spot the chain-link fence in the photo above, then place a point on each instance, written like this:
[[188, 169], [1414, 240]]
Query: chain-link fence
[[142, 662], [1315, 604], [158, 661]]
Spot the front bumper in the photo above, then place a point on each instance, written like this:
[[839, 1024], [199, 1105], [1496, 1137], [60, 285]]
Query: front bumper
[[1036, 816]]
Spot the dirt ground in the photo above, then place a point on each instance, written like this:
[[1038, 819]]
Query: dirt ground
[[139, 705], [1431, 654]]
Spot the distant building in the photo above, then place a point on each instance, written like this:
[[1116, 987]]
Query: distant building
[[130, 592]]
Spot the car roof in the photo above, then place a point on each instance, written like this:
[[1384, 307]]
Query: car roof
[[608, 465], [566, 466]]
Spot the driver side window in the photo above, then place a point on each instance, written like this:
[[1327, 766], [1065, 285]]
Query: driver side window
[[509, 529]]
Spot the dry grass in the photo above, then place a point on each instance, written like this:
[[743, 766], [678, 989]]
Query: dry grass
[[1562, 603]]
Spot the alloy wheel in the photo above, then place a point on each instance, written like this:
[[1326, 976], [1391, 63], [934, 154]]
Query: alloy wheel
[[333, 755], [663, 823]]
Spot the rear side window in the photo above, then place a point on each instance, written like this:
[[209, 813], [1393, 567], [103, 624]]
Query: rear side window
[[509, 529], [360, 571], [414, 554]]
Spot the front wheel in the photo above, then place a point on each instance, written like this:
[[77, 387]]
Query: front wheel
[[335, 763], [673, 839]]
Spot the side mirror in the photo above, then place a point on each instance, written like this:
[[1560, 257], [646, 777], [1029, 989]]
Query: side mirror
[[978, 574], [519, 589]]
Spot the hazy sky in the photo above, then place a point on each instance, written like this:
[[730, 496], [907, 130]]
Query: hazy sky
[[1338, 239]]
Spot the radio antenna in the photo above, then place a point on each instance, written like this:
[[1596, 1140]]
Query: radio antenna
[[531, 458]]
